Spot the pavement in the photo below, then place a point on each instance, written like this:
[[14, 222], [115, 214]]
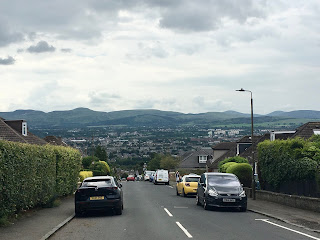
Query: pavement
[[42, 223]]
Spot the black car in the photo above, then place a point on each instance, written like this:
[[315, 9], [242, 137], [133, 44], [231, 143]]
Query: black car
[[99, 193], [221, 190]]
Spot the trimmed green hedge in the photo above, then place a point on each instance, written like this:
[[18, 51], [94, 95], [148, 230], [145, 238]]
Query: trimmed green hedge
[[32, 175], [235, 159], [225, 166], [243, 171], [288, 161]]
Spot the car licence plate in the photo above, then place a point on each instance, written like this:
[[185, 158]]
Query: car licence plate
[[228, 200], [97, 198]]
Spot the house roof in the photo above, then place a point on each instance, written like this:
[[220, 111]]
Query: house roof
[[190, 159], [306, 130], [225, 146], [8, 133], [53, 140]]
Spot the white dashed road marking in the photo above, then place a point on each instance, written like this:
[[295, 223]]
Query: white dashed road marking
[[184, 230], [169, 213], [289, 229]]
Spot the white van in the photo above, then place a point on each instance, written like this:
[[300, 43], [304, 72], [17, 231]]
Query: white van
[[161, 176]]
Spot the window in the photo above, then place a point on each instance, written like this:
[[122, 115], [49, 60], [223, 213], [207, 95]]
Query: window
[[316, 131], [202, 159], [24, 129]]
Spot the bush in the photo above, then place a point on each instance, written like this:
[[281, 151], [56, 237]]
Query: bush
[[243, 171], [87, 161], [236, 159], [33, 175], [225, 166], [85, 174], [100, 168], [288, 161]]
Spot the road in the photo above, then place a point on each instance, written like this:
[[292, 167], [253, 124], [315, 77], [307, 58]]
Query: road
[[156, 212]]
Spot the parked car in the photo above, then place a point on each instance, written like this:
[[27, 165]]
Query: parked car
[[99, 193], [161, 176], [152, 176], [188, 185], [131, 178], [147, 175], [221, 190]]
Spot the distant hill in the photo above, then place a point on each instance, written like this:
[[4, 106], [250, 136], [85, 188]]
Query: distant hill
[[304, 114], [84, 117]]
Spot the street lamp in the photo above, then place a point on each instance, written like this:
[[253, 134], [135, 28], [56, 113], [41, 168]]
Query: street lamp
[[253, 185]]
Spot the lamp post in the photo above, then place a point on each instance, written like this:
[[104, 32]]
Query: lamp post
[[253, 185]]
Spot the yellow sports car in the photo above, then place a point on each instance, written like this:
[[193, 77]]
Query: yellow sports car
[[188, 185]]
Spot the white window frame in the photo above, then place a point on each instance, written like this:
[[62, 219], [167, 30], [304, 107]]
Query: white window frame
[[24, 129], [203, 158]]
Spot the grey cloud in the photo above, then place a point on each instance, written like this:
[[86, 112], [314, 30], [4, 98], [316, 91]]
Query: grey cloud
[[66, 50], [204, 15], [102, 98], [41, 47], [8, 36], [149, 50], [7, 61]]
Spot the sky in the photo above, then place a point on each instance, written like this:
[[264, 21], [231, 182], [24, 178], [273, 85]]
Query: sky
[[183, 55]]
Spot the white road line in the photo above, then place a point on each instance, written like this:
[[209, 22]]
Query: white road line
[[169, 213], [289, 229], [170, 186], [179, 207], [184, 230]]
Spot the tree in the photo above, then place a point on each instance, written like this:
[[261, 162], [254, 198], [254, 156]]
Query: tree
[[87, 161], [168, 162], [154, 164], [101, 153]]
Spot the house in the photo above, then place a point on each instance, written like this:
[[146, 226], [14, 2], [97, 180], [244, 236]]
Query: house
[[307, 130], [196, 159], [53, 140], [244, 147], [17, 131]]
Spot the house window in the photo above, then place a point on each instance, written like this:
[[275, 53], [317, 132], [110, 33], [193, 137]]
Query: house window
[[316, 131], [24, 129], [202, 159]]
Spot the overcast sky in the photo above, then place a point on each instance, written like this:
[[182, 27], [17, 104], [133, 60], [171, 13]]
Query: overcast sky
[[176, 55]]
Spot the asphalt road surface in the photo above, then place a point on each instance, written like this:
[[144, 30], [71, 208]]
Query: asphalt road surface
[[156, 212]]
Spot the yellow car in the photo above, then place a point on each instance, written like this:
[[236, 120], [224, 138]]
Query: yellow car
[[188, 185]]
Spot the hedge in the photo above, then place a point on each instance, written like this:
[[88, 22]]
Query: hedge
[[225, 166], [236, 159], [288, 161], [243, 171], [85, 174], [33, 175]]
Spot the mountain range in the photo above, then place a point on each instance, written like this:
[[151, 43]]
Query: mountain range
[[84, 117]]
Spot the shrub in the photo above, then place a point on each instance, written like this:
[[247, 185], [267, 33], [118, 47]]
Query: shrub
[[87, 161], [243, 171], [236, 159], [33, 175], [100, 168], [85, 174], [225, 166], [285, 161]]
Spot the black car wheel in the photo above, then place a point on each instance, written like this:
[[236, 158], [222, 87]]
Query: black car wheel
[[77, 211], [243, 209], [197, 200], [119, 210], [183, 193], [177, 192], [205, 206]]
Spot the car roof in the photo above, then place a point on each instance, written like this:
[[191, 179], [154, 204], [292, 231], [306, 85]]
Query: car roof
[[98, 178], [192, 175], [219, 174]]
